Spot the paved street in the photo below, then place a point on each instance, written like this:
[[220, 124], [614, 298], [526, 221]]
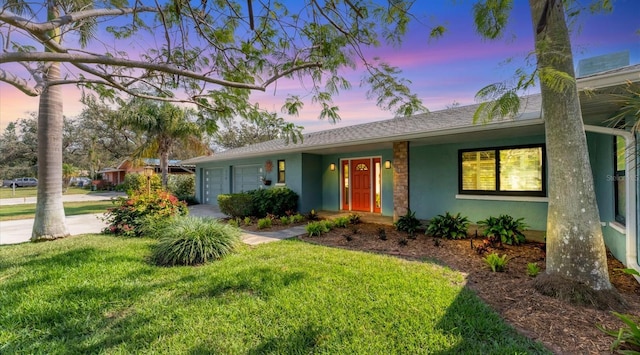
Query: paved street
[[98, 196]]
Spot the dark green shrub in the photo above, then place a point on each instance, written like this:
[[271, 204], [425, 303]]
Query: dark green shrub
[[504, 229], [354, 218], [448, 226], [129, 215], [408, 223], [312, 216], [277, 201], [236, 205], [194, 241]]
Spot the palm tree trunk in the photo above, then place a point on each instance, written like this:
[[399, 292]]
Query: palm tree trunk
[[164, 167], [49, 220], [575, 245]]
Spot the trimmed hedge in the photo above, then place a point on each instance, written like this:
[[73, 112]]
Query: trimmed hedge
[[236, 205], [277, 201]]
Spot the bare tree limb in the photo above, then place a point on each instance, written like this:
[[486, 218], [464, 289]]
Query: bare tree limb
[[18, 83]]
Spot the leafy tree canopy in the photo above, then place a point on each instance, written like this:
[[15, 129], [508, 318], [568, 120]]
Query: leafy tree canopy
[[211, 54]]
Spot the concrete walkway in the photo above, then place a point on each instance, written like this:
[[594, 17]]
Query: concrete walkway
[[19, 231]]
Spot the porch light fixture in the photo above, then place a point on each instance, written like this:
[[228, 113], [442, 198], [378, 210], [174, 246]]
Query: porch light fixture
[[332, 167], [387, 164]]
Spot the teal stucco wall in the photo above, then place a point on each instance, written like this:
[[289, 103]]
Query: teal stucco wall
[[602, 164], [434, 185], [293, 172], [311, 171]]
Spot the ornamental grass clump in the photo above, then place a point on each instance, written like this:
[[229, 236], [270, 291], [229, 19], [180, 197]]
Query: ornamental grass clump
[[194, 241]]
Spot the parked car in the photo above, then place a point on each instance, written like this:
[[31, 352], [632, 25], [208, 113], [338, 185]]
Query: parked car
[[21, 182], [80, 181]]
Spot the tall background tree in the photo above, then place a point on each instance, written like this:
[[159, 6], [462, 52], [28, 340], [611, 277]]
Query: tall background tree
[[576, 258], [163, 127], [210, 54]]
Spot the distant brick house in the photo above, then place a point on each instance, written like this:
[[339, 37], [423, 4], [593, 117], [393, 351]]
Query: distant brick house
[[115, 176]]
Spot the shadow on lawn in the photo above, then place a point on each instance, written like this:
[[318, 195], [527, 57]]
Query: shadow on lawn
[[481, 330], [78, 316]]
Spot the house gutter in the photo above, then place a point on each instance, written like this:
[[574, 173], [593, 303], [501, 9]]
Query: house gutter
[[630, 185]]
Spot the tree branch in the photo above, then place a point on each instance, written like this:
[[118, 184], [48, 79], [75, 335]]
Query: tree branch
[[160, 67], [19, 83], [33, 27]]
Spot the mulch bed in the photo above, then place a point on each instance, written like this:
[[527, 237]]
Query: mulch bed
[[561, 327]]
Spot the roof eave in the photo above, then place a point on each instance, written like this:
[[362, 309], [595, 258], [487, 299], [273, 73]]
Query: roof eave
[[527, 119]]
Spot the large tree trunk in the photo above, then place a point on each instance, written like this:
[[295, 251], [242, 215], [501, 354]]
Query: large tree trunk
[[50, 219], [575, 246]]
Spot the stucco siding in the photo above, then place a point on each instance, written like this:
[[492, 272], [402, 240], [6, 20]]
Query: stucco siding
[[434, 185], [311, 172], [293, 172]]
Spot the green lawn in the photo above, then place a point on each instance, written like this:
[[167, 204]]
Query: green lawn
[[21, 192], [24, 211], [97, 294]]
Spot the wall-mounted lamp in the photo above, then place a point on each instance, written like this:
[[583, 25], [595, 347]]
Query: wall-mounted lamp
[[387, 164], [332, 167]]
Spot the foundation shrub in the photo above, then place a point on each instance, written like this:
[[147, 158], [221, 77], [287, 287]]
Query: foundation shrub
[[408, 223], [504, 229], [236, 205], [448, 226], [276, 201]]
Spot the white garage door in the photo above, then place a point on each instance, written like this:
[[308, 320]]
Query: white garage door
[[213, 180], [246, 178]]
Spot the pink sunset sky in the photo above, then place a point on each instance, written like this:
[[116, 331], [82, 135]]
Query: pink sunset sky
[[443, 71]]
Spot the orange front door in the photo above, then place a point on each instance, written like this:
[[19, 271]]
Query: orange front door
[[361, 185]]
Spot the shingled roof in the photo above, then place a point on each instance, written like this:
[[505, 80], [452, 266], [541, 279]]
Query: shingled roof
[[413, 127]]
